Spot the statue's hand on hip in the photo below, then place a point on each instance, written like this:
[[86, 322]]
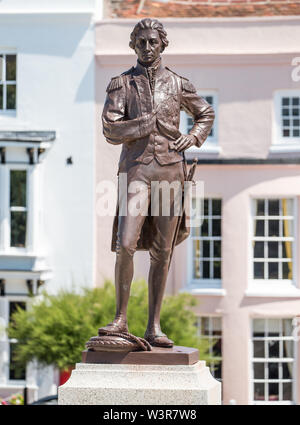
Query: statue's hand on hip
[[184, 142]]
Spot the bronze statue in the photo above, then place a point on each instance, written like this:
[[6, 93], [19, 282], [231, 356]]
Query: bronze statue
[[142, 112]]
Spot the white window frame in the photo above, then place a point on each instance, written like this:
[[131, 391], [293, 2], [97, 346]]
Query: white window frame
[[4, 111], [207, 286], [211, 143], [272, 287], [280, 143], [273, 360], [31, 226]]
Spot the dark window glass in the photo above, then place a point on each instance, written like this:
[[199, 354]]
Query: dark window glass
[[11, 96], [273, 227], [273, 348], [205, 206], [1, 96], [204, 227], [296, 123], [287, 270], [273, 270], [273, 370], [217, 269], [217, 249], [206, 270], [259, 250], [11, 68], [216, 207], [258, 270], [285, 112], [273, 249], [295, 101], [260, 207], [18, 229], [273, 391], [259, 349], [259, 370], [216, 227], [286, 133], [296, 112], [274, 207], [18, 188], [259, 228], [287, 392], [206, 249], [259, 391], [286, 123], [285, 101], [296, 133]]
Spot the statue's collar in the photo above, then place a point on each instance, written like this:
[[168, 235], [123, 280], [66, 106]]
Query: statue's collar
[[140, 69]]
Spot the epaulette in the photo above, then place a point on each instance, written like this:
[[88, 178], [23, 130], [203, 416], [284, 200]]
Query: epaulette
[[186, 84], [115, 83]]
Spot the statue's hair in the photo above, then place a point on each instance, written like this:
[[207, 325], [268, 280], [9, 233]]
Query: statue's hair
[[148, 23]]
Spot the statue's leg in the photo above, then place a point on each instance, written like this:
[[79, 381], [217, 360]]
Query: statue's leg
[[160, 253], [129, 229]]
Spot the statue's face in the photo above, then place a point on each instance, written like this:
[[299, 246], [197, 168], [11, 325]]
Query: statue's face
[[148, 45]]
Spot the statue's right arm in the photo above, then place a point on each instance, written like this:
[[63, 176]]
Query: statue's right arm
[[117, 128]]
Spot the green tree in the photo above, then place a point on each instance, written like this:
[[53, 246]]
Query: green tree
[[55, 328]]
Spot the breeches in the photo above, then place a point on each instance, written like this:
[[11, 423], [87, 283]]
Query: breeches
[[154, 199]]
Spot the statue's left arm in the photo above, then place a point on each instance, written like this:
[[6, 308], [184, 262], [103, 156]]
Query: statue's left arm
[[199, 109]]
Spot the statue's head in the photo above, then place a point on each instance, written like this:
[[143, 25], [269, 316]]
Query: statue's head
[[148, 39]]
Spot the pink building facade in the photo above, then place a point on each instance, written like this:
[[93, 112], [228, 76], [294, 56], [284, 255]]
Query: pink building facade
[[242, 263]]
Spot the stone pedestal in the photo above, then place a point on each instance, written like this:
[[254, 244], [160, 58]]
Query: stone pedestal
[[140, 384]]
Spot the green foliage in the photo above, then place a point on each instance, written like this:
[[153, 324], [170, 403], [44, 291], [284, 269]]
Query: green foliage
[[55, 328]]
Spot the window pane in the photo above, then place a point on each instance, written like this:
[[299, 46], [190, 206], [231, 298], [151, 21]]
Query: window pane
[[273, 227], [274, 327], [287, 270], [273, 391], [217, 249], [217, 348], [259, 228], [273, 249], [217, 269], [10, 96], [259, 349], [259, 370], [259, 270], [216, 227], [259, 249], [258, 327], [287, 391], [260, 207], [273, 349], [205, 206], [216, 326], [216, 207], [206, 274], [274, 207], [288, 349], [285, 101], [197, 269], [204, 227], [11, 68], [287, 228], [273, 370], [1, 97], [287, 249], [287, 370], [287, 327], [18, 188], [18, 229], [259, 391], [273, 270], [206, 252]]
